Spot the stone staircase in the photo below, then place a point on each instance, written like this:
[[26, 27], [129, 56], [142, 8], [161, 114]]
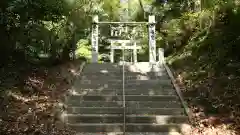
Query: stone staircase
[[95, 105]]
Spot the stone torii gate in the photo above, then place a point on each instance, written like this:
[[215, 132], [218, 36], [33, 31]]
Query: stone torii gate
[[151, 37], [132, 45]]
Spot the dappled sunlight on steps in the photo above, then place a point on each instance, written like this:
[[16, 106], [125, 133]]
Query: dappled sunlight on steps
[[95, 102]]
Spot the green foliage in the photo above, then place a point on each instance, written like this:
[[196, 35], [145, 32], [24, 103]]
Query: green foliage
[[83, 49], [203, 48], [47, 30], [111, 10]]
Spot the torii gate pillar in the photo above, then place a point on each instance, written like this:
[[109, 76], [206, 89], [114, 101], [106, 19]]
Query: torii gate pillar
[[151, 39], [95, 40]]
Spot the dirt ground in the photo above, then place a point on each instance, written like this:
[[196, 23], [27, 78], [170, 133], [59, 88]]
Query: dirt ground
[[31, 101]]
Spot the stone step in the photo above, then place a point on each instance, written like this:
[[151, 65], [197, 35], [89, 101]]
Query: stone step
[[115, 110], [120, 70], [107, 70], [109, 78], [101, 68], [127, 86], [143, 66], [130, 127], [129, 104], [133, 67], [132, 82], [115, 118], [120, 77], [127, 98], [139, 91], [143, 91], [129, 92], [128, 75], [130, 133]]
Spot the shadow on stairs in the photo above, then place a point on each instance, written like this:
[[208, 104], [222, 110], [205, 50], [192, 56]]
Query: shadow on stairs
[[95, 104]]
